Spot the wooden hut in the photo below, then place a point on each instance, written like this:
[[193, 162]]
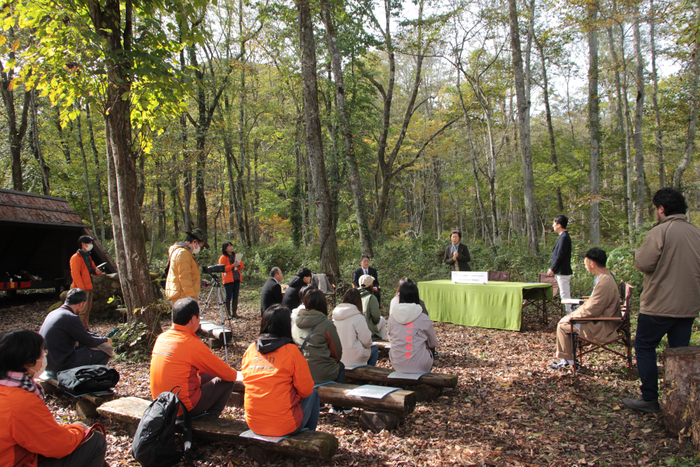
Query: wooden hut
[[38, 235]]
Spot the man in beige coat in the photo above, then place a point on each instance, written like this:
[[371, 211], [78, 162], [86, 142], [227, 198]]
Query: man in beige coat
[[604, 302], [670, 260]]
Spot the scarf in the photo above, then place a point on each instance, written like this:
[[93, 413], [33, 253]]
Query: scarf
[[86, 258], [20, 379], [236, 274]]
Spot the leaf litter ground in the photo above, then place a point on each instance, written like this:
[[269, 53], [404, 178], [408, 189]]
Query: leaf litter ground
[[508, 409]]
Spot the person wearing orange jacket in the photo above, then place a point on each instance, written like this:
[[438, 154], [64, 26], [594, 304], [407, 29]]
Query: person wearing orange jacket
[[180, 359], [82, 268], [280, 398], [231, 278], [29, 435]]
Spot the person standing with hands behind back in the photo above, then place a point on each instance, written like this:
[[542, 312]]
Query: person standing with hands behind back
[[184, 279], [231, 278], [82, 268], [560, 266], [457, 254]]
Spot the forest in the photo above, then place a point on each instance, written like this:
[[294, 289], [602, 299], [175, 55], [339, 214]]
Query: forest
[[314, 132]]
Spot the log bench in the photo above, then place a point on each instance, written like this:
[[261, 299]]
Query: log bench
[[377, 415], [86, 404], [215, 333], [427, 387], [311, 444]]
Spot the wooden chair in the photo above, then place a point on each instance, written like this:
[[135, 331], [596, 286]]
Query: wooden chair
[[499, 276], [623, 336], [555, 303]]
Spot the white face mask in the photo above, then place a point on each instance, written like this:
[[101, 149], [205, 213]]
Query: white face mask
[[89, 247], [196, 250], [41, 368]]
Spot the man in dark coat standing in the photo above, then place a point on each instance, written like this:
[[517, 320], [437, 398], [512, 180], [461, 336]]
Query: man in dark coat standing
[[457, 254], [363, 270], [272, 290], [560, 266]]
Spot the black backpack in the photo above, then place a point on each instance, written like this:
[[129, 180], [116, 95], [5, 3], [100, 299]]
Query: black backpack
[[154, 441], [87, 378]]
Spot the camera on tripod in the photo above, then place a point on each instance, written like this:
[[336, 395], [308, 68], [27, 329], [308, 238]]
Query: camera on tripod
[[217, 268]]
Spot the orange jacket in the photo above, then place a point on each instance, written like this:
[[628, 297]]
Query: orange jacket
[[178, 358], [80, 273], [228, 275], [275, 383], [27, 429]]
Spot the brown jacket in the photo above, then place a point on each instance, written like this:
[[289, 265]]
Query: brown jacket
[[604, 302], [670, 260]]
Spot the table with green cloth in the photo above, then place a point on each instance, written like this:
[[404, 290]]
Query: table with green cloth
[[496, 305]]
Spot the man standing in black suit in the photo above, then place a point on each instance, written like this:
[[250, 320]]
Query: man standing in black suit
[[272, 290], [457, 254], [365, 269]]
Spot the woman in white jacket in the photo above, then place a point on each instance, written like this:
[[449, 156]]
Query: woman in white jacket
[[354, 333]]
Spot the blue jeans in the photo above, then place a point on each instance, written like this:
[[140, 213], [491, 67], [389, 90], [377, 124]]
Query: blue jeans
[[650, 331], [373, 356], [311, 406]]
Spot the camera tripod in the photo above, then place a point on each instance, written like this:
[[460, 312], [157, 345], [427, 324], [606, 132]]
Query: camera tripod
[[216, 285]]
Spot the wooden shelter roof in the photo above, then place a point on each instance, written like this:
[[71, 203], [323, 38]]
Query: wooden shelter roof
[[17, 206]]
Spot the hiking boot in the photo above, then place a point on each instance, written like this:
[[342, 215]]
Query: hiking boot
[[228, 309], [642, 405], [234, 309], [559, 364]]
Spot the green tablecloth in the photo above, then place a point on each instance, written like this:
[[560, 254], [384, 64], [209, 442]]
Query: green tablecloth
[[496, 305]]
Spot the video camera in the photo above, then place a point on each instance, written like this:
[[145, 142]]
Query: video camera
[[217, 268]]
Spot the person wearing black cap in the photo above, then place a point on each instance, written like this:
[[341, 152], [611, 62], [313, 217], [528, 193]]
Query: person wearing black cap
[[184, 279], [82, 268]]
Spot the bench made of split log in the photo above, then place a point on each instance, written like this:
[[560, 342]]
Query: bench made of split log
[[216, 333], [312, 444], [86, 404], [378, 414], [428, 386]]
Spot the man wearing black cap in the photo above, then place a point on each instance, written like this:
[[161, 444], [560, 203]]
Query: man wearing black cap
[[82, 268], [184, 279]]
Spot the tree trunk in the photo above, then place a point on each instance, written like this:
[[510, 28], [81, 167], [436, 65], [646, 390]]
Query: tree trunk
[[654, 97], [639, 111], [594, 122], [524, 124], [98, 173], [680, 363], [85, 170], [314, 141], [346, 132], [36, 147]]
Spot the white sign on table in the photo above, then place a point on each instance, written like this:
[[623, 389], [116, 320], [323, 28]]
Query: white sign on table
[[470, 277]]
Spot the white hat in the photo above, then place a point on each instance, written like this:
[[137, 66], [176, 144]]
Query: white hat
[[366, 281]]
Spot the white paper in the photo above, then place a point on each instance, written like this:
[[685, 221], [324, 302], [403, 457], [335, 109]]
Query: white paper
[[238, 257], [269, 439], [470, 277], [371, 391], [572, 301], [413, 376], [384, 344]]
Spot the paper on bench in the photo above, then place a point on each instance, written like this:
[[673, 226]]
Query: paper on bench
[[372, 391], [356, 367], [384, 343], [269, 439], [413, 376], [572, 301]]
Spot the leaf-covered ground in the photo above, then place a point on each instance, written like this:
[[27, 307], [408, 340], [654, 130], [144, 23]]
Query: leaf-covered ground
[[508, 409]]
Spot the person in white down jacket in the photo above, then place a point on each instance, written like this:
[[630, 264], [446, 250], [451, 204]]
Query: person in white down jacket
[[354, 332]]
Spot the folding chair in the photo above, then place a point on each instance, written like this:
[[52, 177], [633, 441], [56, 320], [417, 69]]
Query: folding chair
[[623, 336], [499, 276]]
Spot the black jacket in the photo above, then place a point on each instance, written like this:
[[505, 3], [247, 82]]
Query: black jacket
[[270, 295], [463, 257], [359, 273], [291, 297], [561, 255]]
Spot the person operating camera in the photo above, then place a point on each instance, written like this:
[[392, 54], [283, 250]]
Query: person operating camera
[[184, 279]]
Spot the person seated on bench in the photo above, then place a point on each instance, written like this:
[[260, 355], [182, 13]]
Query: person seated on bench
[[280, 398], [291, 296], [370, 307], [395, 299], [355, 336], [62, 329], [180, 359], [411, 333], [604, 301], [29, 435]]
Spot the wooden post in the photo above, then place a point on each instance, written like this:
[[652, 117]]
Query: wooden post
[[680, 364]]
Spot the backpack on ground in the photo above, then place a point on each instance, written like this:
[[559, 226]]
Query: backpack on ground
[[154, 441], [87, 378]]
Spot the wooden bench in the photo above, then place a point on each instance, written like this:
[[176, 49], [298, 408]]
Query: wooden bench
[[378, 414], [215, 333], [426, 387], [85, 406], [311, 444]]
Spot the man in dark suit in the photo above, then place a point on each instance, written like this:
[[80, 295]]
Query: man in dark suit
[[272, 290], [365, 269], [457, 254]]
